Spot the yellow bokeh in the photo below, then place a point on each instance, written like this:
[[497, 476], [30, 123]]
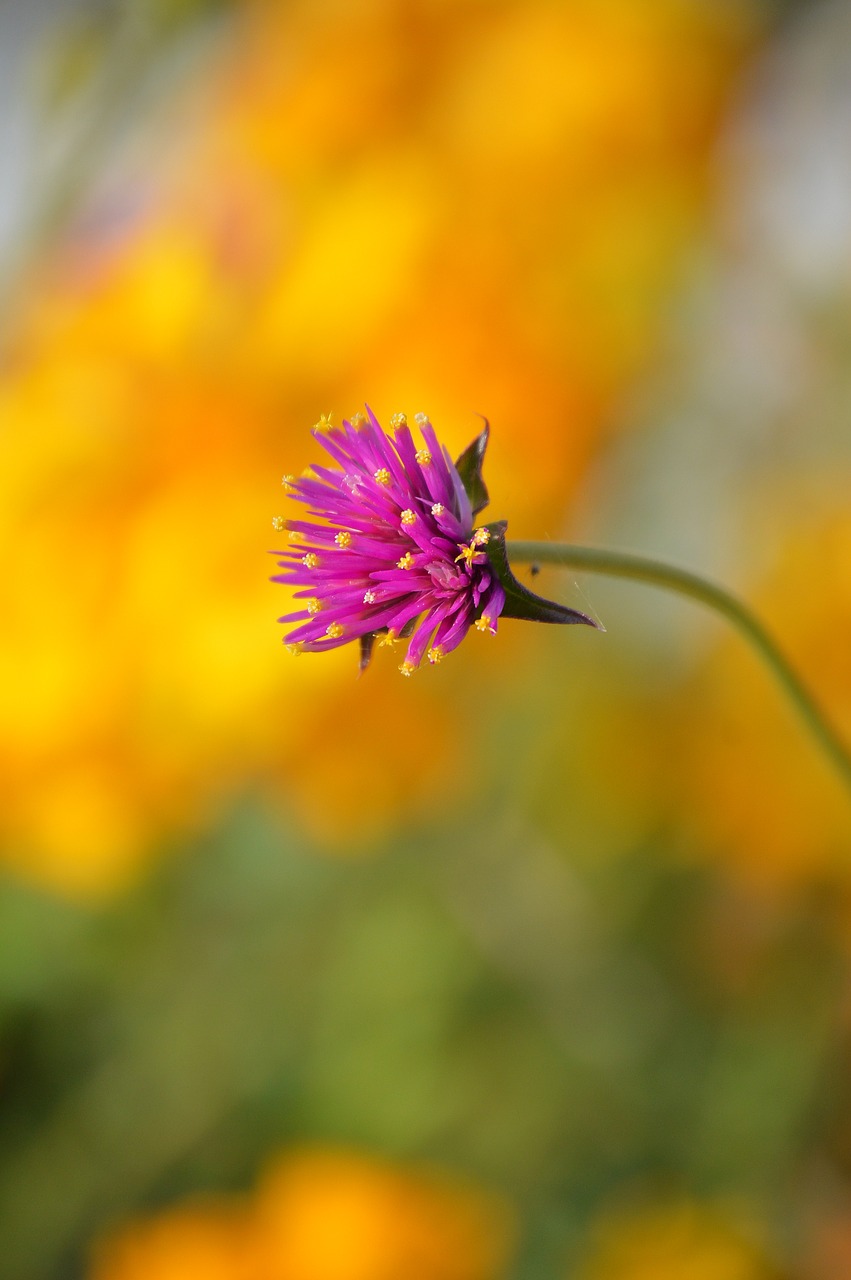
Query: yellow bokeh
[[454, 207], [680, 1241], [322, 1214], [758, 793]]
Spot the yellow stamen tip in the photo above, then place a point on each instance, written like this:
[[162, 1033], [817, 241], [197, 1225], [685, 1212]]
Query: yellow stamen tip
[[369, 597], [335, 630], [343, 538], [406, 561], [421, 419], [294, 535], [315, 606], [287, 481], [409, 516], [388, 639], [279, 524], [438, 509], [435, 655], [398, 420], [484, 623], [324, 423], [382, 476], [295, 649], [407, 668], [467, 554], [311, 560], [358, 420], [423, 457], [482, 537]]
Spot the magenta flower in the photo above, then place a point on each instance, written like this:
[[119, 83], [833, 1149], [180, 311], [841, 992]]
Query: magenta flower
[[397, 555]]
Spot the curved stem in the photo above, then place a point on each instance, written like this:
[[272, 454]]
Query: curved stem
[[621, 564]]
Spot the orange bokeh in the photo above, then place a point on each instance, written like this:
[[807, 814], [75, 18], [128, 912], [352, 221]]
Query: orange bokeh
[[321, 1215], [758, 795], [454, 207]]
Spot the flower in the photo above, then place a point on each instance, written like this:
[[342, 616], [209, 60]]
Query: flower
[[398, 555], [321, 1213]]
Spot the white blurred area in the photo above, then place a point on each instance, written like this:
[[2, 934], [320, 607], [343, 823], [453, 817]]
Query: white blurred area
[[77, 78], [24, 26], [793, 155], [751, 394]]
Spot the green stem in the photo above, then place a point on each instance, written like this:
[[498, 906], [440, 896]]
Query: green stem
[[621, 564]]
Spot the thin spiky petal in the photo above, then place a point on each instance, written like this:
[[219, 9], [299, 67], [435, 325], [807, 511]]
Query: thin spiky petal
[[389, 548]]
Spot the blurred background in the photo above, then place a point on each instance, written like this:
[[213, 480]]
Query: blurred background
[[536, 965]]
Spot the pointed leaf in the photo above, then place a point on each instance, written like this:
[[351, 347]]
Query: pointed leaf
[[520, 602], [469, 467]]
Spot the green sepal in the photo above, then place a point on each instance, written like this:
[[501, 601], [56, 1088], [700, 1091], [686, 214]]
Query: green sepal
[[367, 642], [366, 646], [520, 602], [469, 467]]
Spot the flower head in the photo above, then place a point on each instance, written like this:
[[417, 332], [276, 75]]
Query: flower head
[[396, 553]]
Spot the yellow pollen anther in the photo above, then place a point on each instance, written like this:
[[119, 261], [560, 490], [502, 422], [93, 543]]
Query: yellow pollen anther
[[314, 605], [279, 524], [382, 476], [334, 630], [421, 419], [438, 509], [287, 481], [311, 560], [467, 553], [482, 537], [423, 457], [369, 597], [295, 536], [407, 668], [388, 640], [398, 420], [484, 624], [358, 420], [435, 655], [324, 423], [406, 561], [295, 649], [343, 538], [409, 516]]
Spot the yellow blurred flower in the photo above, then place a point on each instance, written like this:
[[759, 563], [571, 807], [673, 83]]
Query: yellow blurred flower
[[756, 790], [322, 1215], [682, 1241], [206, 1242], [476, 208]]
